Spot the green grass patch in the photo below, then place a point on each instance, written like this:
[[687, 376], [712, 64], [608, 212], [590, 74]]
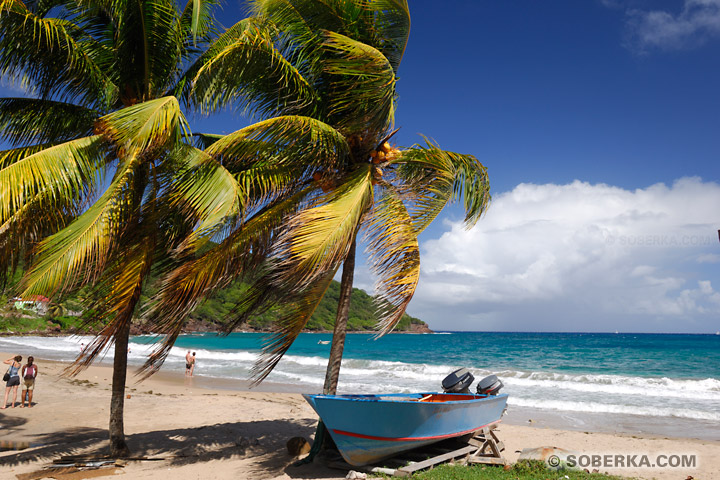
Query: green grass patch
[[523, 470]]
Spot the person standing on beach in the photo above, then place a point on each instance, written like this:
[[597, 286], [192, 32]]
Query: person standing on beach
[[29, 372], [14, 380], [189, 364]]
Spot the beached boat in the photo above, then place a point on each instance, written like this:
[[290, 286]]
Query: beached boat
[[370, 428]]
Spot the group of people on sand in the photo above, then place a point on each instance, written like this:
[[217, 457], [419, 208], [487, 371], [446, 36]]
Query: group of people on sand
[[17, 373]]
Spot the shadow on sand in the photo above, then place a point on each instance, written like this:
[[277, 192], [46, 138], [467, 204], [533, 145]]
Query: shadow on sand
[[261, 444]]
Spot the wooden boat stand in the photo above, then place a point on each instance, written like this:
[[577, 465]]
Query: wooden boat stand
[[484, 447]]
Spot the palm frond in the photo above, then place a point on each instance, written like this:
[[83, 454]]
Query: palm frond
[[45, 53], [435, 177], [318, 238], [206, 192], [272, 157], [121, 286], [61, 172], [395, 257], [284, 140], [146, 126], [240, 254], [197, 18], [301, 22], [290, 325], [245, 69], [28, 225], [80, 251], [391, 19], [204, 140], [362, 85], [147, 46], [31, 121], [10, 156]]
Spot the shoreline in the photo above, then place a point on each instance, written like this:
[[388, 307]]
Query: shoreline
[[195, 424], [229, 372]]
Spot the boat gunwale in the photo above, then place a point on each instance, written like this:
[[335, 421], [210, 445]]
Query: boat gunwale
[[375, 398]]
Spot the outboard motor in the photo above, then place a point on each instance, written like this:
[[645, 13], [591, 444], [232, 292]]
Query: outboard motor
[[458, 381], [489, 385]]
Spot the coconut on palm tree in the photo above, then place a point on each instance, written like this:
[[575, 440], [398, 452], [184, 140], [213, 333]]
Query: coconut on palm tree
[[317, 170], [96, 145]]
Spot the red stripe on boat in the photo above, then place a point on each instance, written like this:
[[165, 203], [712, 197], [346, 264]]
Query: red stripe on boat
[[410, 439]]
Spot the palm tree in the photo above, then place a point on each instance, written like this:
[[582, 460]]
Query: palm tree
[[97, 145], [317, 170]]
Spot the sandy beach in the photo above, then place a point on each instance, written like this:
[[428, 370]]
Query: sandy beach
[[197, 428]]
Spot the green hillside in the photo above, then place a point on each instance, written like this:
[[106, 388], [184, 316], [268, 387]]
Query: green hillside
[[209, 316], [362, 311]]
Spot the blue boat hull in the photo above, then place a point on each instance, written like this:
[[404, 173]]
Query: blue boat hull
[[370, 428]]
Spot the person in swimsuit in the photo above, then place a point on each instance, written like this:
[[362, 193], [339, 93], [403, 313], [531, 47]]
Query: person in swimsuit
[[29, 372], [189, 364], [14, 381]]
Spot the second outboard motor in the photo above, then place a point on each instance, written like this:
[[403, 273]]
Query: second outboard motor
[[458, 381], [489, 385]]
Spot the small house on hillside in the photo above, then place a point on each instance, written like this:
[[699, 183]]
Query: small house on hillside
[[35, 303]]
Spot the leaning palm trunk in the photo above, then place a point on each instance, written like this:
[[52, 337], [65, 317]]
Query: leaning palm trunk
[[338, 341], [118, 447]]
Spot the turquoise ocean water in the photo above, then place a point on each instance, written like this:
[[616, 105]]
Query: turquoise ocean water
[[651, 383]]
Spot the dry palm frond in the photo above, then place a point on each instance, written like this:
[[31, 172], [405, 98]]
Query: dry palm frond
[[242, 253], [122, 285], [290, 325], [394, 255]]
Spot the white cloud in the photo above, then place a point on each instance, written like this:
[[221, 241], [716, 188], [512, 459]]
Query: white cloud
[[577, 256], [708, 258], [698, 21]]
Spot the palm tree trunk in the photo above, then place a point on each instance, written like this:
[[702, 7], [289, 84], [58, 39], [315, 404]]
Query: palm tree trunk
[[338, 341], [118, 447]]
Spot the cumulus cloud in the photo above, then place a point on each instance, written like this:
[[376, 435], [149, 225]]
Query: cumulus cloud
[[698, 21], [578, 257]]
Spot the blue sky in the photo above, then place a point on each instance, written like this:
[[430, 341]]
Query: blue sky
[[578, 109], [598, 122]]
